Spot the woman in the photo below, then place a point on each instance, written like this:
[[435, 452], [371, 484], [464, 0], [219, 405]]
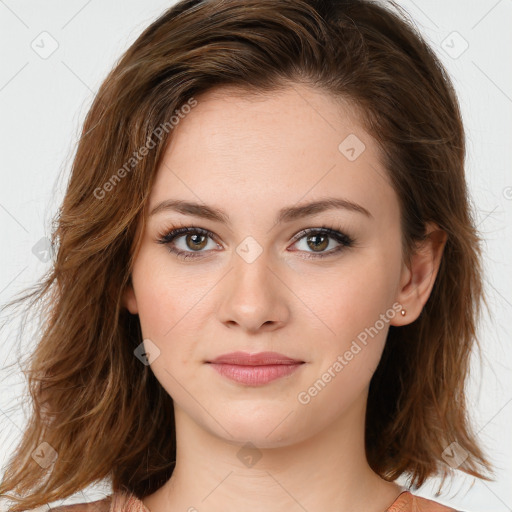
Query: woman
[[267, 279]]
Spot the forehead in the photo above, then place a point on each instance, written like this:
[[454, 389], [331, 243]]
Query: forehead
[[292, 118], [273, 148]]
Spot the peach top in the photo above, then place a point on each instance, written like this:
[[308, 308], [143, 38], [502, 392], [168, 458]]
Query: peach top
[[127, 502]]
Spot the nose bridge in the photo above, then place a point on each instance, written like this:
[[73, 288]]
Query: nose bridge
[[251, 275], [251, 264], [253, 295]]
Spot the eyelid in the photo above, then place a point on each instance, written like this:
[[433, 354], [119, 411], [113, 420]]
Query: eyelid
[[332, 232], [170, 235], [337, 233]]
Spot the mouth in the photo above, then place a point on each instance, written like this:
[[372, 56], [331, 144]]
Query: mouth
[[258, 359], [255, 369]]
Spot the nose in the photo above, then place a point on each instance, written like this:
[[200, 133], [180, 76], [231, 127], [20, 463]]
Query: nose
[[254, 296]]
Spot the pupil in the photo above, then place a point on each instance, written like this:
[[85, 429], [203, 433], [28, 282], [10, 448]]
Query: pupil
[[317, 244], [196, 242]]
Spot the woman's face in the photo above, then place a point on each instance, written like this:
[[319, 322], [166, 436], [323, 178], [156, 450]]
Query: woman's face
[[256, 282]]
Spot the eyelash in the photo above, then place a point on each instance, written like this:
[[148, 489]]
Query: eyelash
[[169, 235]]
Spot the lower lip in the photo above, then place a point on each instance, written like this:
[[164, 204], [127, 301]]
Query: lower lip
[[255, 375]]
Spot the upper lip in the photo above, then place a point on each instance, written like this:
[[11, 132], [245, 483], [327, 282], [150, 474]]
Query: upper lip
[[259, 359]]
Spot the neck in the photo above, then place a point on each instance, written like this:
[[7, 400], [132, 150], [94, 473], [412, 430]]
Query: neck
[[327, 471]]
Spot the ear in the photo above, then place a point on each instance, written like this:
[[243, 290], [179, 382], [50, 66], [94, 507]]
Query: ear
[[129, 300], [418, 277]]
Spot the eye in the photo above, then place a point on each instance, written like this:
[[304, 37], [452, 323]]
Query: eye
[[194, 239], [189, 242], [319, 239]]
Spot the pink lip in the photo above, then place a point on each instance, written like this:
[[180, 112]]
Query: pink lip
[[262, 358], [254, 369]]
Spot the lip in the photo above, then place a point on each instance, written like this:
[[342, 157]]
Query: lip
[[259, 359], [255, 369]]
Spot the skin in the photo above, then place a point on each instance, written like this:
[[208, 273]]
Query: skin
[[251, 157]]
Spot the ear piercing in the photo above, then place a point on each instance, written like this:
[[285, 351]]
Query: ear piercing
[[403, 312]]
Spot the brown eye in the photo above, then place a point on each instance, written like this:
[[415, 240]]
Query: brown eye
[[318, 242], [196, 242], [188, 242]]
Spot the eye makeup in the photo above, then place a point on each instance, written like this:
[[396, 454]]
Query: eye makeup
[[197, 236]]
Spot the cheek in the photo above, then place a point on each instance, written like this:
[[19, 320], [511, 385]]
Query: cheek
[[172, 312], [166, 299], [346, 358], [166, 313], [353, 307], [350, 299]]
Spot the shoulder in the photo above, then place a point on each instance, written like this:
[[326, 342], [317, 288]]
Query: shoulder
[[119, 501], [408, 502], [102, 505]]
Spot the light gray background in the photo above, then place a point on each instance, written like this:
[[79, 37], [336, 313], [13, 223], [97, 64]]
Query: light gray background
[[44, 100]]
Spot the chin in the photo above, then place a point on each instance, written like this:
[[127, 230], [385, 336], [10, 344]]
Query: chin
[[264, 425]]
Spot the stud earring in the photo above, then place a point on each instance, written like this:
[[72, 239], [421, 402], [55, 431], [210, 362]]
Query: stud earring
[[403, 312]]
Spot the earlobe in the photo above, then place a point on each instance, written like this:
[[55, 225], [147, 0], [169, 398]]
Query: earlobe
[[129, 299], [417, 279]]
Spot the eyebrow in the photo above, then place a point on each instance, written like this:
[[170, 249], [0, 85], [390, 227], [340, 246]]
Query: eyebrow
[[287, 214]]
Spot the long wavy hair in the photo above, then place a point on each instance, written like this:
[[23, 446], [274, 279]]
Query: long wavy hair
[[93, 402]]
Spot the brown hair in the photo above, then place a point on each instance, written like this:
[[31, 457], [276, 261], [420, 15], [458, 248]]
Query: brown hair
[[103, 411]]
